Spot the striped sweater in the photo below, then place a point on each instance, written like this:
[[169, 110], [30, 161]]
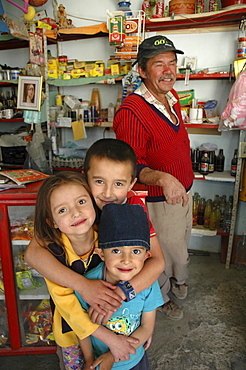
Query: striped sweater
[[158, 143]]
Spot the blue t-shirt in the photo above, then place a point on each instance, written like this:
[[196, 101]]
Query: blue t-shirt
[[127, 318]]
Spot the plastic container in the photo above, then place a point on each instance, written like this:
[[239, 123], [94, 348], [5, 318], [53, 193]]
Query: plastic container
[[211, 108]]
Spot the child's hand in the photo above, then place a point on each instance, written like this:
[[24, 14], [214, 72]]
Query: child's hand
[[97, 318], [147, 343], [100, 295], [121, 347], [105, 362]]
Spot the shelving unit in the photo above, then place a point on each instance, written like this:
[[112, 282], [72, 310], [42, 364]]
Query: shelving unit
[[221, 20]]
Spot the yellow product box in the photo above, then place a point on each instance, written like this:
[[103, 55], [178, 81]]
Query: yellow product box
[[98, 70], [84, 74], [52, 73], [79, 64], [62, 69], [68, 68], [124, 69], [115, 69], [52, 63], [67, 76], [62, 64]]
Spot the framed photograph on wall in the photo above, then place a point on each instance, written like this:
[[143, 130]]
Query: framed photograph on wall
[[29, 92]]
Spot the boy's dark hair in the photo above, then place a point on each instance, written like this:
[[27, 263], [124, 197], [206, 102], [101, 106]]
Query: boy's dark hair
[[43, 219], [114, 149]]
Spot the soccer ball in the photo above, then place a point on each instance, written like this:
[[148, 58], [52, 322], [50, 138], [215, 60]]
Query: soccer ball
[[37, 2]]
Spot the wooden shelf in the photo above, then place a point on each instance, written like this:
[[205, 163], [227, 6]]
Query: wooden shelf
[[84, 80], [221, 20], [12, 120], [200, 230], [216, 176], [8, 82], [206, 76]]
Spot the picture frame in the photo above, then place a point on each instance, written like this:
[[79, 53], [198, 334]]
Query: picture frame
[[29, 92]]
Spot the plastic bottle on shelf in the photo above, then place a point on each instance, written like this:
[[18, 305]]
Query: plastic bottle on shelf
[[146, 9], [95, 100], [220, 161], [159, 9], [234, 163], [241, 250]]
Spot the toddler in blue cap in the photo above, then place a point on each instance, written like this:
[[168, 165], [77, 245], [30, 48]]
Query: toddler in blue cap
[[124, 245]]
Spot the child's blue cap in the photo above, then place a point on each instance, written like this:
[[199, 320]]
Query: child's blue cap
[[123, 225]]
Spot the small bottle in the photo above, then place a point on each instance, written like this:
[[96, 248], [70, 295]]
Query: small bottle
[[234, 163], [146, 8], [216, 201], [204, 164], [207, 213], [228, 215], [222, 211], [195, 211], [217, 212], [159, 10], [220, 161], [211, 162], [201, 209], [241, 250], [213, 218], [195, 160], [96, 101]]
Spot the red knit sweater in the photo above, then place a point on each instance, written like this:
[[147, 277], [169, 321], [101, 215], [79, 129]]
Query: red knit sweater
[[158, 143]]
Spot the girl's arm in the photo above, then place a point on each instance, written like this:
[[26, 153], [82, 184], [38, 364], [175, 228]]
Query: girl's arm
[[97, 293], [150, 272], [87, 350]]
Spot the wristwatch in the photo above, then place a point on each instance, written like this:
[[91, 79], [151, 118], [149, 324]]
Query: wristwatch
[[128, 289]]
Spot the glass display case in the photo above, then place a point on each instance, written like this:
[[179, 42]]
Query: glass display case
[[25, 315]]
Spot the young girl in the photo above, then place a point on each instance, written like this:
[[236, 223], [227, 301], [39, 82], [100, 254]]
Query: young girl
[[64, 219]]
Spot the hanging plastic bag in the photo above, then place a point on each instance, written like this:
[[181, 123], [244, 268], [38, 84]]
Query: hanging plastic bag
[[234, 114], [36, 151]]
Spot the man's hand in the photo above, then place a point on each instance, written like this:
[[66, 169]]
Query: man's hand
[[106, 361], [173, 190], [101, 296]]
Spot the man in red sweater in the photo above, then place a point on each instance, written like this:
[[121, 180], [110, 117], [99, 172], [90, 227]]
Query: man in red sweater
[[150, 121]]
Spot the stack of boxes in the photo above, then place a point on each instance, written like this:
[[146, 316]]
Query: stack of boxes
[[64, 68]]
